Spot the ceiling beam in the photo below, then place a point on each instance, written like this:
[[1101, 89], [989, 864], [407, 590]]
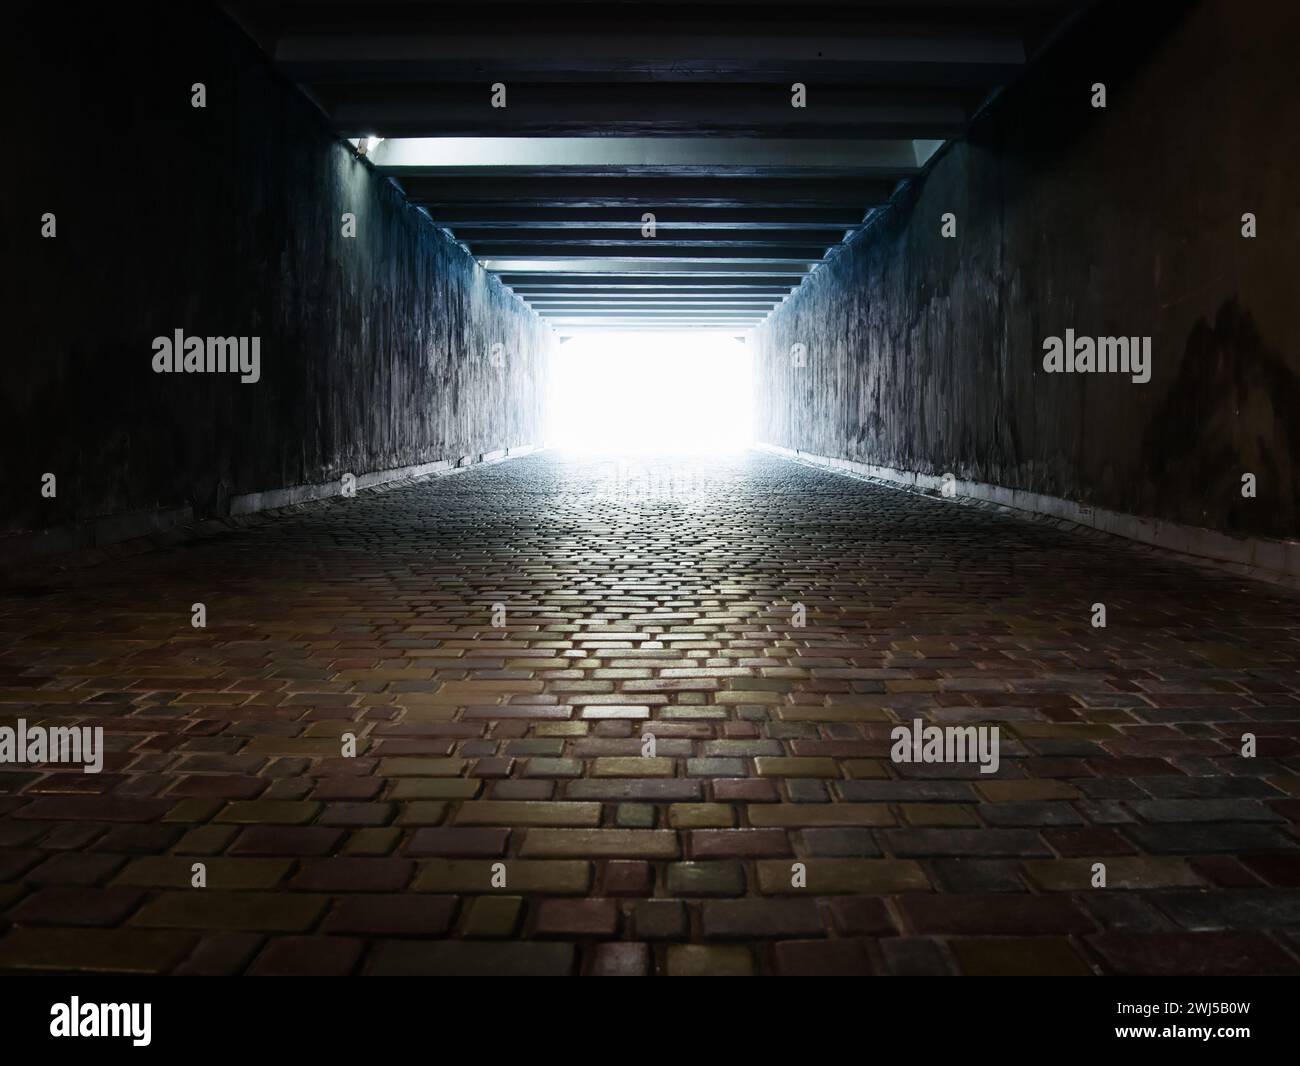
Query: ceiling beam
[[667, 218], [658, 258], [687, 282], [467, 156], [558, 44], [631, 234], [626, 300], [537, 304], [651, 193], [631, 268], [403, 109], [650, 251]]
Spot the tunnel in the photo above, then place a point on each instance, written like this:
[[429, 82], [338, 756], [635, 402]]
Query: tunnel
[[650, 489]]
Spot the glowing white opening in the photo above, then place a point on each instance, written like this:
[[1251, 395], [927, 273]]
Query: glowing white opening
[[656, 393]]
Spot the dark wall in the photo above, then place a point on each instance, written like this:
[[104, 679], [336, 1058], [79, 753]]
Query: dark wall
[[925, 354], [222, 221]]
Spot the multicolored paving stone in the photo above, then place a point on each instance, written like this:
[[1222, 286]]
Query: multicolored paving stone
[[504, 811]]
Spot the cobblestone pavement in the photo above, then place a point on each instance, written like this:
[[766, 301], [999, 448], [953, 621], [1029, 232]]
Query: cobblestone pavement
[[654, 598]]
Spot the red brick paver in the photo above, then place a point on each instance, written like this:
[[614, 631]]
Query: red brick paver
[[503, 813]]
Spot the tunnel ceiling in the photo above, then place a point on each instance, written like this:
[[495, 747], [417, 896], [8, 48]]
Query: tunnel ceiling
[[615, 111]]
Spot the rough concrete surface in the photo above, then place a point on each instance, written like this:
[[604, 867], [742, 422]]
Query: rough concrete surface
[[226, 221], [924, 353]]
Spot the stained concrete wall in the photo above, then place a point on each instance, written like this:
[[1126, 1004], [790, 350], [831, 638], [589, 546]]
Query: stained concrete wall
[[925, 354], [223, 221]]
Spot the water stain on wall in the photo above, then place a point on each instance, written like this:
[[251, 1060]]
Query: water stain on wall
[[1234, 408]]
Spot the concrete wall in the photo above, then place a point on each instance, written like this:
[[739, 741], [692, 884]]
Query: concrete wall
[[925, 354], [223, 221]]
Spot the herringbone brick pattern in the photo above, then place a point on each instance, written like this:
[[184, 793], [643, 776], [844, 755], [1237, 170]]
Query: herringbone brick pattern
[[651, 599]]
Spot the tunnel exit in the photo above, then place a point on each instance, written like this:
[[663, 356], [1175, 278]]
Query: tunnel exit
[[682, 392]]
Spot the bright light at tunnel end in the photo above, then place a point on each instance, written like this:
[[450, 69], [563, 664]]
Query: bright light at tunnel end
[[650, 393]]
